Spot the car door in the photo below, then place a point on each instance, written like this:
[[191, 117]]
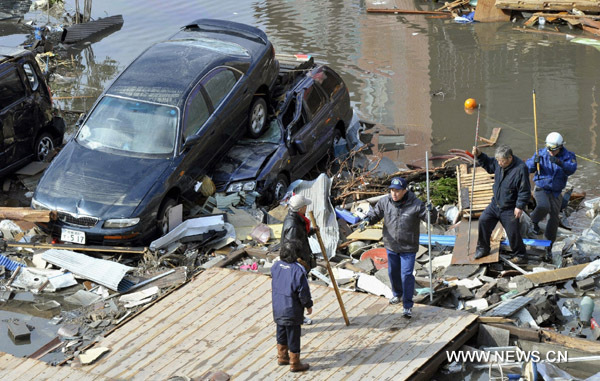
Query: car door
[[224, 93], [299, 134], [319, 124], [13, 113]]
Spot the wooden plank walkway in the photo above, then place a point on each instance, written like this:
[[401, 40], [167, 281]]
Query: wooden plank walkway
[[222, 320], [19, 368]]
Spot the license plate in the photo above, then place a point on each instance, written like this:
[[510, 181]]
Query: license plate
[[74, 236]]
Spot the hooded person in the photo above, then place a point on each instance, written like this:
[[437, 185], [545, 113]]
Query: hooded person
[[296, 226]]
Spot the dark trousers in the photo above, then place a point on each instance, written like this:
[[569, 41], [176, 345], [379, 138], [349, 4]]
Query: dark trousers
[[400, 271], [289, 335], [547, 204], [487, 222]]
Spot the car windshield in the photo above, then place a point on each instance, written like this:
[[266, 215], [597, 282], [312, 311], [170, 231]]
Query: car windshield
[[131, 127], [271, 135]]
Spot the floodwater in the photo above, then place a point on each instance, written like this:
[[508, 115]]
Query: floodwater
[[409, 73], [393, 65]]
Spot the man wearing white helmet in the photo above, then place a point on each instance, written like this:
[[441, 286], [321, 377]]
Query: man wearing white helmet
[[556, 164]]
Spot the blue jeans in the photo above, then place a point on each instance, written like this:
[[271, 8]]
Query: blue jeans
[[400, 271]]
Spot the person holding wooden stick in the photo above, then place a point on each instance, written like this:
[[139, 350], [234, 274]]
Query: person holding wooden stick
[[290, 297], [511, 194], [402, 212], [297, 226], [552, 166]]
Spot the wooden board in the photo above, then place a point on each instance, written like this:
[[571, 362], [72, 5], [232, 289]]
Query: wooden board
[[367, 235], [460, 256], [486, 11], [222, 320], [482, 191], [545, 5], [557, 275], [19, 368]]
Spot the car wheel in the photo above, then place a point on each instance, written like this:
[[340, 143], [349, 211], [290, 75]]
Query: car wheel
[[281, 185], [257, 117], [162, 219], [43, 146]]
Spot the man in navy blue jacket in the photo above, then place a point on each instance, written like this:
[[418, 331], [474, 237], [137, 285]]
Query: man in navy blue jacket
[[291, 295], [556, 164], [511, 194]]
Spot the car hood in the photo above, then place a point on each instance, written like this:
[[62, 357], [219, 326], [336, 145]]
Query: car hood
[[96, 183], [242, 162]]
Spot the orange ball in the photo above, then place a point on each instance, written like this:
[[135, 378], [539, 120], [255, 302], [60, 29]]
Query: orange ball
[[470, 103]]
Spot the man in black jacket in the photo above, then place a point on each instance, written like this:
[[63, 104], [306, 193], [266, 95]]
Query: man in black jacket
[[402, 212], [511, 194], [297, 227]]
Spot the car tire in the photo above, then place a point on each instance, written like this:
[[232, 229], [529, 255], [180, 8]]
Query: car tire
[[257, 117], [162, 218], [43, 146], [280, 187]]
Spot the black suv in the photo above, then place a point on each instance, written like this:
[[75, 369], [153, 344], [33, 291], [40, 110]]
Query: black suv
[[28, 128]]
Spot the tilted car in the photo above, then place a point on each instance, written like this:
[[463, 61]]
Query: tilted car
[[29, 130], [155, 131], [314, 114]]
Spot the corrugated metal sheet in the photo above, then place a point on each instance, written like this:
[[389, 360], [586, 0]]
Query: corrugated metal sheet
[[9, 264], [318, 191], [107, 273], [80, 32]]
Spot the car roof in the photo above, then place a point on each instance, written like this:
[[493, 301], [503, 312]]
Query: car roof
[[186, 57]]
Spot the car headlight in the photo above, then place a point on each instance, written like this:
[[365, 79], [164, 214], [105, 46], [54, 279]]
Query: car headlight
[[116, 223], [38, 205], [238, 187]]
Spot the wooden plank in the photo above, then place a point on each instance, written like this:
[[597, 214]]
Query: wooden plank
[[570, 342], [557, 275], [544, 5], [493, 319], [486, 11], [484, 289], [27, 214], [367, 235], [460, 256], [522, 333], [493, 138], [20, 369]]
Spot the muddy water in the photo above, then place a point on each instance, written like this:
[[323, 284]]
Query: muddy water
[[392, 64]]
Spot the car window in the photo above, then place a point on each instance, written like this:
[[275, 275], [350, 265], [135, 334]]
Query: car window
[[11, 89], [329, 82], [131, 127], [31, 76], [218, 84], [196, 113], [313, 100]]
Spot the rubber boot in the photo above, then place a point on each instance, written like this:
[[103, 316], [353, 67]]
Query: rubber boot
[[283, 357], [295, 364]]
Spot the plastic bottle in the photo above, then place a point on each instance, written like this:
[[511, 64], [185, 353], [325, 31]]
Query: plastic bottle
[[586, 307]]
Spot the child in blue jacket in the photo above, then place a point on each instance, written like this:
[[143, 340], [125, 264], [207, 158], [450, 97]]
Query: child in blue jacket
[[291, 295]]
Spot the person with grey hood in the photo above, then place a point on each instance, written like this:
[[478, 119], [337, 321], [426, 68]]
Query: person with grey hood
[[296, 226], [402, 212]]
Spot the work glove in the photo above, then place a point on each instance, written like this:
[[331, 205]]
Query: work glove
[[555, 160], [313, 231], [536, 159], [363, 225]]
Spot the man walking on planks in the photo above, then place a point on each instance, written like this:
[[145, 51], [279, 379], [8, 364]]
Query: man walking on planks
[[291, 295], [511, 194], [555, 164], [401, 211]]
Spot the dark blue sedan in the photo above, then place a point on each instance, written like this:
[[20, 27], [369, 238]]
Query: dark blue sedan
[[171, 114]]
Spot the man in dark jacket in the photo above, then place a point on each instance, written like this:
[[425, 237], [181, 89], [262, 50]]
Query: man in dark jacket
[[297, 227], [556, 164], [402, 212], [291, 295], [511, 194]]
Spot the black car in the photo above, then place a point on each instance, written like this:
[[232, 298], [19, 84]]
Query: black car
[[29, 130], [314, 114], [155, 131]]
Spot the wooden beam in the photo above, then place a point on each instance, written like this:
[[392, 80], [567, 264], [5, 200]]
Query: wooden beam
[[520, 332], [66, 246], [404, 11], [494, 319], [545, 5], [27, 214], [570, 342]]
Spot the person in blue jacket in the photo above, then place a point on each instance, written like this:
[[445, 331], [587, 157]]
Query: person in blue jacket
[[556, 164], [291, 295]]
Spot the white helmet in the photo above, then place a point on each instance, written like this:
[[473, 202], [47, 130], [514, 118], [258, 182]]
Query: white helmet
[[554, 140]]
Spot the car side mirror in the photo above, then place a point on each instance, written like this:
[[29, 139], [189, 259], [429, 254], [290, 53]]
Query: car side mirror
[[191, 141], [80, 119], [299, 147]]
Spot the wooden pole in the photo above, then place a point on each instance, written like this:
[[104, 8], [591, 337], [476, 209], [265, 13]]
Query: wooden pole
[[329, 270], [535, 129], [473, 181]]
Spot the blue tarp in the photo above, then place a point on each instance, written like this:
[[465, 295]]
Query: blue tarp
[[8, 264], [449, 240]]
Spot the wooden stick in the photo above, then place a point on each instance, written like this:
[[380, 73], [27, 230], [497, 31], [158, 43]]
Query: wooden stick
[[405, 11], [329, 270]]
